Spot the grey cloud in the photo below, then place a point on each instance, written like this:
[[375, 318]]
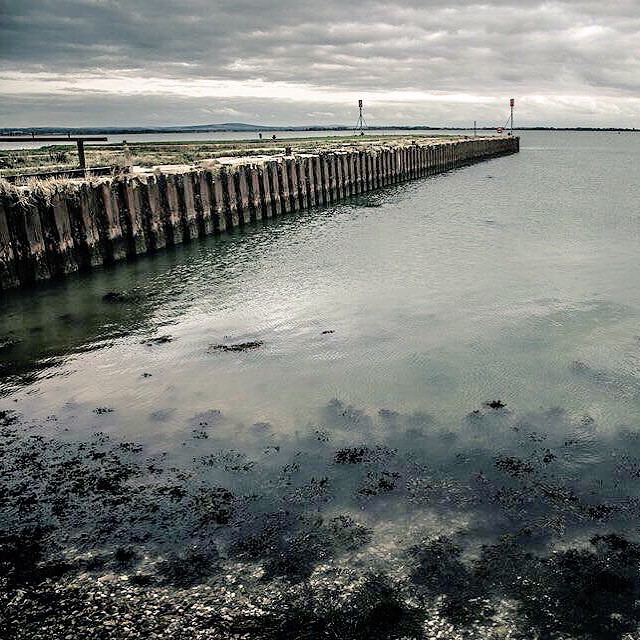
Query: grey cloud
[[153, 110], [495, 47], [93, 110]]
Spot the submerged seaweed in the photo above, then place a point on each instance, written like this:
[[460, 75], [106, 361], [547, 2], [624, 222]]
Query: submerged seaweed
[[239, 346], [311, 535]]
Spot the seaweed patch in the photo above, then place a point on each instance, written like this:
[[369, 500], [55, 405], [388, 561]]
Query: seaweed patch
[[239, 346], [388, 536]]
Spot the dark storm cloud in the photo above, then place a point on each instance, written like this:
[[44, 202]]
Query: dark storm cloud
[[588, 50]]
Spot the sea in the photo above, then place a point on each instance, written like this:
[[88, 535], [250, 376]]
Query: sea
[[436, 384]]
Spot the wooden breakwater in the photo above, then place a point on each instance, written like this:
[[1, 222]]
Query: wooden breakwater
[[48, 230]]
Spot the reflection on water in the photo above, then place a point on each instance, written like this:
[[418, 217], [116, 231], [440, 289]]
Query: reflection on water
[[487, 281], [440, 523], [318, 400]]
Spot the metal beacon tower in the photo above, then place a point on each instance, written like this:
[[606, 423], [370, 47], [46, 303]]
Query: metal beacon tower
[[512, 104], [361, 124]]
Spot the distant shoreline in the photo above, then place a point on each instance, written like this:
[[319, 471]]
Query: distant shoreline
[[240, 128]]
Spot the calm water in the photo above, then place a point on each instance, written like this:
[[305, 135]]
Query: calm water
[[487, 282], [387, 323]]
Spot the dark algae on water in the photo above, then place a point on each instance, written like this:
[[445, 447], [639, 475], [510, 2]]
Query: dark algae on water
[[399, 529]]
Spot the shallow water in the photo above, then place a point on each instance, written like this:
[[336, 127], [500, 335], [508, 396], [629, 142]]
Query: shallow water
[[382, 328], [490, 281]]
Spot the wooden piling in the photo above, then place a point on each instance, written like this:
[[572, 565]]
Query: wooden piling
[[8, 272], [45, 234]]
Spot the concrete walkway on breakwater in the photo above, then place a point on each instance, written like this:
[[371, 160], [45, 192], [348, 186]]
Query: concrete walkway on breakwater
[[53, 228]]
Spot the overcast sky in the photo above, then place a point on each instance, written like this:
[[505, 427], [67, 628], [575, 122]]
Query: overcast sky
[[299, 62]]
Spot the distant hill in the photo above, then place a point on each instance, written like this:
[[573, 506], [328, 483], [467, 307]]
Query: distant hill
[[231, 126]]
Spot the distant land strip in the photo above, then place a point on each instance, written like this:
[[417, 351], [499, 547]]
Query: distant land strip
[[239, 127]]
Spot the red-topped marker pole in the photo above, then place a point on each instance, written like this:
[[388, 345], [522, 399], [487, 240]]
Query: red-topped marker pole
[[361, 123], [512, 104]]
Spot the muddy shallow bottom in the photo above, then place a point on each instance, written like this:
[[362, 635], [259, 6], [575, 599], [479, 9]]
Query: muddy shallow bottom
[[385, 525]]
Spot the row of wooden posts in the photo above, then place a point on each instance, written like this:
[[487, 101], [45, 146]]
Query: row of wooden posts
[[51, 229]]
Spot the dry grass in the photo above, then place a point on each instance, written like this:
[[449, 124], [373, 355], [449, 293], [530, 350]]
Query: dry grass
[[39, 190], [6, 188], [150, 154]]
